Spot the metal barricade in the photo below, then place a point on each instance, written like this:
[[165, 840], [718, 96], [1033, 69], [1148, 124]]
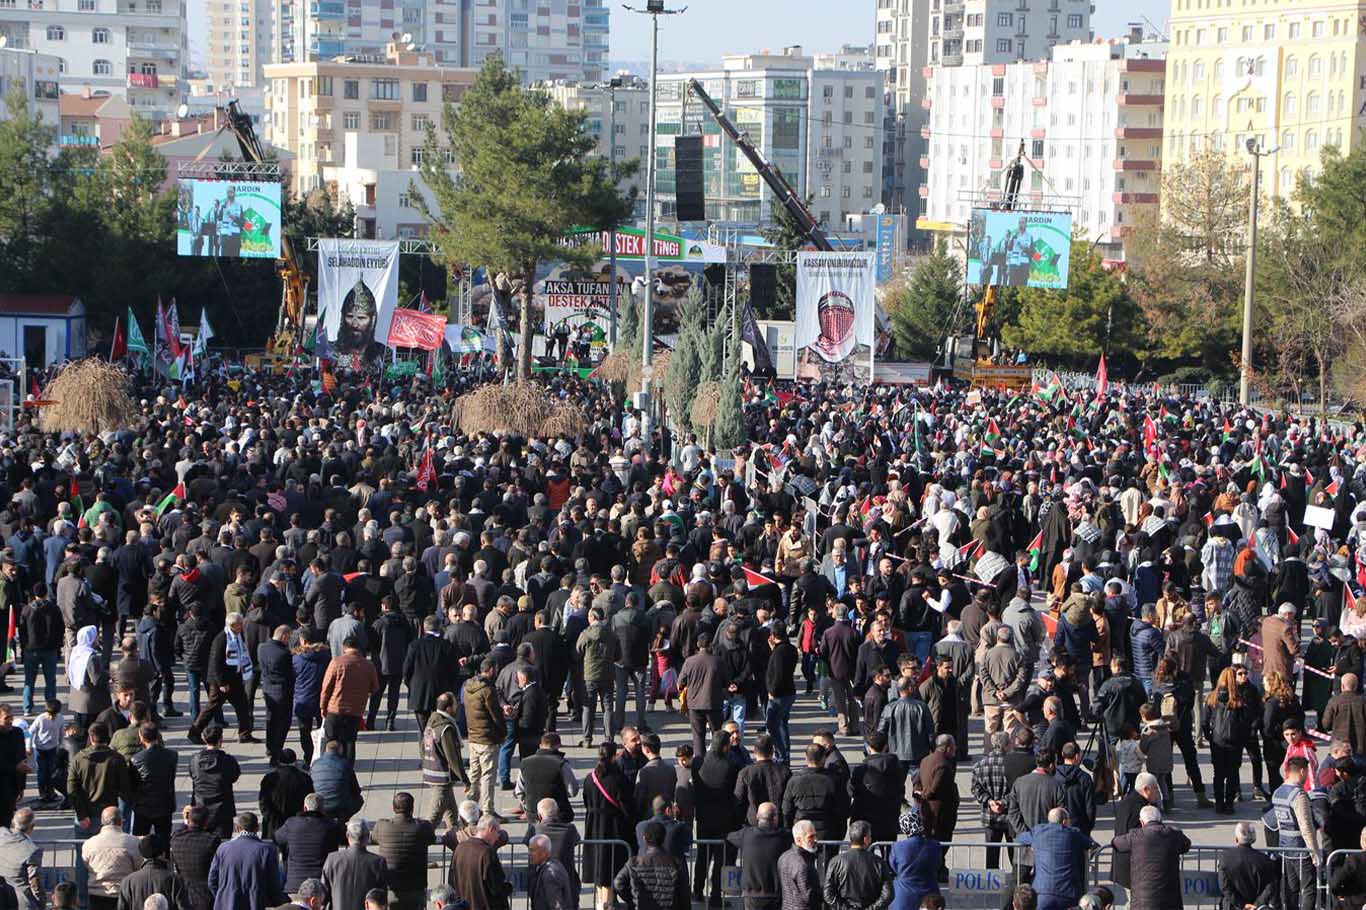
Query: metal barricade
[[516, 867], [1335, 860]]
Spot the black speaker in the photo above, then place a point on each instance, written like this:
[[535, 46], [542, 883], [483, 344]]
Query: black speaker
[[691, 200], [715, 275], [763, 286], [433, 279]]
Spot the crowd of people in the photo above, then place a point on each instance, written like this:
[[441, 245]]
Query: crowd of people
[[1105, 581]]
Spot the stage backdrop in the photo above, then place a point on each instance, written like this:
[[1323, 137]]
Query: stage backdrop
[[835, 303], [357, 295]]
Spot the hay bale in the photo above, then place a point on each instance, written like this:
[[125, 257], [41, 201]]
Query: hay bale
[[705, 405], [616, 366], [522, 408], [660, 364], [90, 396]]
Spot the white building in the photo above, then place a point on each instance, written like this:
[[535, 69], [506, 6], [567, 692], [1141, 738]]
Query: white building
[[901, 53], [241, 42], [1092, 138], [36, 75], [819, 127], [546, 40], [134, 48], [1003, 31], [848, 57], [619, 117]]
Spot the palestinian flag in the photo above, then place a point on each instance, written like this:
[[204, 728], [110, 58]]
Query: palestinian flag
[[1035, 549], [993, 434], [755, 579], [1162, 472], [1332, 489], [1208, 519], [173, 499], [1259, 469], [1102, 379], [1308, 479], [1051, 390], [1292, 537], [77, 503], [970, 550], [427, 472], [1349, 600], [1228, 431]]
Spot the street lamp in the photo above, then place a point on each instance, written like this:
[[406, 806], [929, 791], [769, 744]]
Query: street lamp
[[654, 9], [615, 83], [1254, 148]]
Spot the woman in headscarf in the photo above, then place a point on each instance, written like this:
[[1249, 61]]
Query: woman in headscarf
[[88, 677], [915, 862], [718, 814]]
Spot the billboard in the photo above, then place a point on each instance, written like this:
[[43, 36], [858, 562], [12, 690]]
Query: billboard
[[835, 304], [357, 296], [1019, 249], [230, 218]]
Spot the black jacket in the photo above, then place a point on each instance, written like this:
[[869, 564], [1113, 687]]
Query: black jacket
[[154, 782], [429, 670], [282, 796], [876, 789], [1247, 876], [41, 626], [760, 849], [820, 796], [212, 774], [275, 666], [858, 880], [305, 841], [403, 843], [782, 664], [392, 636], [155, 877], [1126, 819], [654, 880], [758, 783], [192, 852]]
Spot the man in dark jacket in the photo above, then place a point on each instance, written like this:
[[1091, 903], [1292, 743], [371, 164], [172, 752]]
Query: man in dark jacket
[[704, 677], [654, 879], [245, 870], [761, 844], [798, 878], [877, 788], [335, 783], [306, 840], [1146, 792], [633, 631], [229, 669], [655, 778], [282, 793], [154, 877], [1031, 798], [429, 669], [277, 688], [1079, 790], [839, 648], [1247, 876], [762, 781], [1119, 698], [403, 841], [782, 691], [391, 635], [1154, 852], [551, 660], [153, 797], [192, 851], [547, 774], [213, 773], [858, 879], [817, 795], [476, 872], [350, 873], [97, 779]]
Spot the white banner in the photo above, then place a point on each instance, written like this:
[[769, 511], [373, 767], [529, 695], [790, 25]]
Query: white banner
[[357, 295], [835, 304]]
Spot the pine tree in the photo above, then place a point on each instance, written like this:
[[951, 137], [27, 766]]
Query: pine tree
[[628, 323], [730, 429], [921, 311], [714, 351], [26, 203], [685, 366]]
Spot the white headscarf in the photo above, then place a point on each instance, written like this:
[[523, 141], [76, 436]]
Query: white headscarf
[[81, 654]]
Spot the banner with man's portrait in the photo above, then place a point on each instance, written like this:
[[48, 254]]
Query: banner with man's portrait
[[357, 296]]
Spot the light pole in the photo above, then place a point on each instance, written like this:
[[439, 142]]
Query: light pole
[[1254, 148], [612, 86], [654, 9]]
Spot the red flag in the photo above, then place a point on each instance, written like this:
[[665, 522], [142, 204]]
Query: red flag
[[1349, 600], [352, 576], [1102, 379], [427, 473], [755, 579], [119, 349], [1308, 478], [971, 548], [1149, 433], [1332, 489], [1282, 480], [1293, 537], [1209, 519]]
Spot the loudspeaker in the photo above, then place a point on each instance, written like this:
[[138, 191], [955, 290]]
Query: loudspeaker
[[433, 279], [763, 286], [715, 275], [691, 200]]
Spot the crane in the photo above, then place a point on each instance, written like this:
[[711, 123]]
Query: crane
[[771, 175], [292, 274]]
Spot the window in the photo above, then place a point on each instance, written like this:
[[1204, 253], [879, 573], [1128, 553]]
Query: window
[[1269, 32], [404, 202], [351, 89], [749, 88], [1005, 20], [1317, 29], [1311, 141], [1074, 20], [1292, 66], [56, 33], [1003, 45], [1294, 31], [325, 86], [103, 68], [351, 120], [416, 155], [86, 6], [1217, 106], [99, 36], [1198, 71], [1288, 141], [1311, 103], [421, 122], [380, 122], [1197, 106], [419, 91], [1036, 149], [1221, 35], [384, 89], [1290, 105], [1315, 66]]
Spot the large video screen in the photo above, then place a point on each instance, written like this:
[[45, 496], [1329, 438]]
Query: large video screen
[[1019, 249], [229, 218]]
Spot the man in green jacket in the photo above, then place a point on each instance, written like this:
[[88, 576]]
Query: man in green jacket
[[485, 721], [597, 649], [442, 762]]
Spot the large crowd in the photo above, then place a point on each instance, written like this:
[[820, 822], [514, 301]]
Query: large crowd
[[1108, 581]]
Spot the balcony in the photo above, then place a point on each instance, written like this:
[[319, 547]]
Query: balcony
[[153, 49], [78, 140], [1127, 164], [1135, 198], [1138, 132], [142, 80], [953, 59], [1129, 99]]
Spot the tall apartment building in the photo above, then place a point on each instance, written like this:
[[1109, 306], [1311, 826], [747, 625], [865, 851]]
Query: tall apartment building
[[1284, 72], [1004, 31], [617, 117], [358, 130], [819, 127], [36, 76], [1089, 119], [134, 48], [848, 57], [240, 42], [546, 39], [901, 53]]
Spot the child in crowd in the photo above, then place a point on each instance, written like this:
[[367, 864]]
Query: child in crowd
[[45, 736], [1155, 742], [1129, 758]]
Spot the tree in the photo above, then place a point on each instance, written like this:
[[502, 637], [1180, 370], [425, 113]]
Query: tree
[[921, 311], [713, 353], [1186, 263], [1094, 314], [628, 327], [685, 366], [785, 235], [316, 215], [528, 175], [27, 179], [730, 429]]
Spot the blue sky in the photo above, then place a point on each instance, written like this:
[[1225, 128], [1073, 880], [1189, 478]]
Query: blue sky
[[711, 28]]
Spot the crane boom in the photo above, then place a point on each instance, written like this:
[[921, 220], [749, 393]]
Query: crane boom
[[292, 274], [772, 176]]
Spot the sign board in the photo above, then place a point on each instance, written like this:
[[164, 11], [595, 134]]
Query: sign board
[[730, 880], [230, 218], [781, 338], [1319, 517], [902, 373], [1001, 376], [886, 247], [1019, 249], [835, 303]]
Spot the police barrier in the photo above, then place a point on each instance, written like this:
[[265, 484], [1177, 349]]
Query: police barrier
[[1200, 874], [516, 867], [1346, 885]]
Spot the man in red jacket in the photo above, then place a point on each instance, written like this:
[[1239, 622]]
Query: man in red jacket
[[349, 682]]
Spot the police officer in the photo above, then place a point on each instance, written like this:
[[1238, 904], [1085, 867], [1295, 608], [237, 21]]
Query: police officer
[[1293, 818]]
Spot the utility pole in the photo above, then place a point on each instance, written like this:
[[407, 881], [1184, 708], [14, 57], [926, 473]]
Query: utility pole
[[612, 304], [654, 9], [1254, 148]]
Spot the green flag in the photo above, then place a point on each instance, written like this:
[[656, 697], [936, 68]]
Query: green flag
[[136, 343]]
